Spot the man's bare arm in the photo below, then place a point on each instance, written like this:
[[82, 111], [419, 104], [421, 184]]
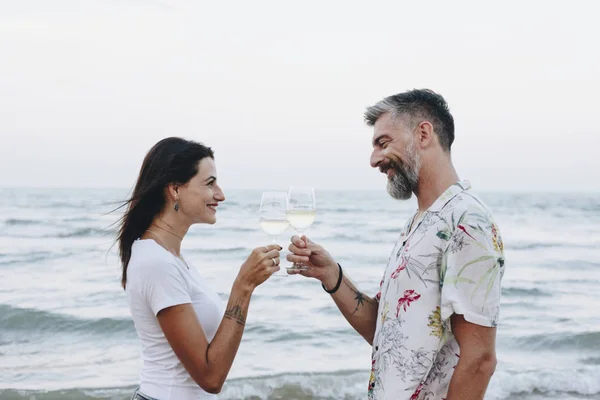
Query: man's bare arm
[[359, 309], [477, 360]]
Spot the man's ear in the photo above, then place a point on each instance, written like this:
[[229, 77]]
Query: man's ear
[[426, 134]]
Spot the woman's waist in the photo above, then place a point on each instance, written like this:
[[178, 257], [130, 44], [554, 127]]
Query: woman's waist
[[174, 390]]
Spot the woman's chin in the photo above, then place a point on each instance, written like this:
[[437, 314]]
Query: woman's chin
[[206, 219], [211, 220]]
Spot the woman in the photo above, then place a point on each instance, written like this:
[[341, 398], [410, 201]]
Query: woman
[[188, 342]]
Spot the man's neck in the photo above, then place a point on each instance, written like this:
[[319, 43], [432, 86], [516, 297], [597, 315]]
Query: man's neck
[[434, 181]]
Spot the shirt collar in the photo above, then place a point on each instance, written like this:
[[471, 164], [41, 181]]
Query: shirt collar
[[449, 194]]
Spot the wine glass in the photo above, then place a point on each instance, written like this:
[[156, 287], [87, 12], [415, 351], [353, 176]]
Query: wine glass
[[273, 219], [301, 212]]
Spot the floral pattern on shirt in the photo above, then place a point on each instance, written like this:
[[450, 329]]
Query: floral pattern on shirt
[[450, 261]]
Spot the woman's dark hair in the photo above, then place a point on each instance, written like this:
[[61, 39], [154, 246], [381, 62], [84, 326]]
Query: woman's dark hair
[[171, 161]]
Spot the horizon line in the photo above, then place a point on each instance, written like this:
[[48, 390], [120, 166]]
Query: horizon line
[[383, 190]]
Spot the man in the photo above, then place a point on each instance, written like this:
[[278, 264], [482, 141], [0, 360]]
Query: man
[[433, 323]]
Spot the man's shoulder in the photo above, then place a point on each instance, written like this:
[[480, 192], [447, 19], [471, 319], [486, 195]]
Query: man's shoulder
[[467, 205]]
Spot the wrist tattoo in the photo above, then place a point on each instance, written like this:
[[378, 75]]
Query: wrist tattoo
[[236, 313]]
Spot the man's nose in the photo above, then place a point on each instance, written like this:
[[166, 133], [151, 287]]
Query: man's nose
[[376, 158]]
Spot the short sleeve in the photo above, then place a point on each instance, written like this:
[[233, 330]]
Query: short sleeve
[[472, 269], [164, 286]]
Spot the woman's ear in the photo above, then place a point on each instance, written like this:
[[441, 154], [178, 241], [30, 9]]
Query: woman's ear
[[173, 191]]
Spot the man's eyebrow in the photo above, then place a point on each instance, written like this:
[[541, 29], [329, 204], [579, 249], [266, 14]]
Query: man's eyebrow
[[214, 178]]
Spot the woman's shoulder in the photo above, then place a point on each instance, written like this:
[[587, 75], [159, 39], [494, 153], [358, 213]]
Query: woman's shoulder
[[149, 259]]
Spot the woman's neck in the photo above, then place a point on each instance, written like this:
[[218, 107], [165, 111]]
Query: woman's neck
[[168, 233]]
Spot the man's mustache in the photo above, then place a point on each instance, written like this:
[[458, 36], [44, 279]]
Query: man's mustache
[[383, 168]]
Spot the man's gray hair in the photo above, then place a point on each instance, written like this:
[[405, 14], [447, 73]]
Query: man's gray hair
[[418, 105]]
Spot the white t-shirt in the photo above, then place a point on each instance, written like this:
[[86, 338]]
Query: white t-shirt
[[156, 279]]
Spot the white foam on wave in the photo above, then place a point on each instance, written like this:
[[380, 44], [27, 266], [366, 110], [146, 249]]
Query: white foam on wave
[[507, 383], [339, 385]]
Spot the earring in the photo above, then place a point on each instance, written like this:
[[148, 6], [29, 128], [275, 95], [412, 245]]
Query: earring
[[176, 205]]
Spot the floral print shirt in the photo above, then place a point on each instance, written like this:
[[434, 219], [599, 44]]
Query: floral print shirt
[[450, 260]]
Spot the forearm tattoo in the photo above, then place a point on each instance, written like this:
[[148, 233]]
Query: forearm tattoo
[[236, 313], [360, 297]]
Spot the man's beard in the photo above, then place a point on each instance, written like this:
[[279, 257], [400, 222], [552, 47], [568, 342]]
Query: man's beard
[[405, 179]]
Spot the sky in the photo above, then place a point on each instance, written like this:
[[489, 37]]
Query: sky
[[278, 89]]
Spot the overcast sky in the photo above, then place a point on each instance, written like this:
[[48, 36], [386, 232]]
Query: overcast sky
[[278, 88]]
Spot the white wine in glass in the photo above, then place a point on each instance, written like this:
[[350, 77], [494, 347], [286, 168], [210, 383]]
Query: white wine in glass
[[301, 212], [273, 227], [273, 218], [301, 220]]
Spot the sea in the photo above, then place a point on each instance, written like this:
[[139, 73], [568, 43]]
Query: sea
[[66, 332]]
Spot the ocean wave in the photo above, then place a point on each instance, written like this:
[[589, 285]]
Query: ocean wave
[[559, 383], [41, 203], [591, 361], [274, 334], [221, 229], [282, 336], [84, 232], [78, 219], [343, 385], [30, 257], [75, 233], [218, 251], [520, 292], [343, 237], [395, 230], [69, 394], [20, 221], [229, 204], [63, 204], [550, 245], [345, 210], [584, 341], [327, 310], [31, 320], [260, 330], [352, 385], [383, 212], [284, 297]]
